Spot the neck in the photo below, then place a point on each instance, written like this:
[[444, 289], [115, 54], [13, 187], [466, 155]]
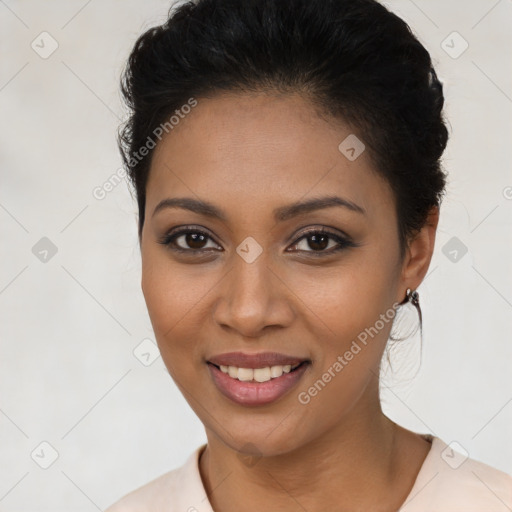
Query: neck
[[355, 465]]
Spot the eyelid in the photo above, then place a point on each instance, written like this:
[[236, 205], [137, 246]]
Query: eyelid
[[183, 230], [335, 232], [342, 240]]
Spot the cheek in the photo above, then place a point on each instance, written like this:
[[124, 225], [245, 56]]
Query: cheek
[[345, 299], [350, 338], [349, 313], [176, 299], [170, 290]]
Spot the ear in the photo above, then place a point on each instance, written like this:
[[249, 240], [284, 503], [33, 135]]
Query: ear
[[419, 253]]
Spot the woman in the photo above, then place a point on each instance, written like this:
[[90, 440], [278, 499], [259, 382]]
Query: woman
[[286, 161]]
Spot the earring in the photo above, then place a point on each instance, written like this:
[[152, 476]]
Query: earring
[[413, 297]]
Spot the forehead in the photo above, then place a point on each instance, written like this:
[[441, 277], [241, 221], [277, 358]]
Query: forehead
[[256, 150]]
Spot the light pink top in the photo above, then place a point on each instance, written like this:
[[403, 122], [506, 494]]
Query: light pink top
[[446, 482]]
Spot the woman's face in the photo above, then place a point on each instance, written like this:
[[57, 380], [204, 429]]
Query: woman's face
[[256, 283]]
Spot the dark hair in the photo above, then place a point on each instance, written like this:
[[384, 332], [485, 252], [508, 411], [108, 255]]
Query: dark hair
[[353, 59]]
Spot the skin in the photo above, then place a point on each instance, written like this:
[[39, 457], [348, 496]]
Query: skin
[[249, 154]]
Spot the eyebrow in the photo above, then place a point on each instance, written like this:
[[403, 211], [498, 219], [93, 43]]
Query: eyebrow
[[281, 214]]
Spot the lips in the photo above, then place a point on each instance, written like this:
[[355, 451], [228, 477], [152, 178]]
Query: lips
[[256, 392], [256, 360], [249, 394]]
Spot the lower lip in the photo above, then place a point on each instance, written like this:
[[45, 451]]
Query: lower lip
[[255, 393]]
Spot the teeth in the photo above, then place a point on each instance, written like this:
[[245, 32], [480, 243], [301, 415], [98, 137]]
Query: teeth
[[257, 374], [260, 374], [245, 373]]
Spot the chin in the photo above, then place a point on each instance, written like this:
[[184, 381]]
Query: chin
[[263, 441]]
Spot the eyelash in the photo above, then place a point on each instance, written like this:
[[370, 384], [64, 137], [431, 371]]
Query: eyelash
[[169, 238]]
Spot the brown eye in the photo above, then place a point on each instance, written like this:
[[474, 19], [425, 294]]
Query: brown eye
[[321, 242], [193, 240], [188, 240], [318, 242]]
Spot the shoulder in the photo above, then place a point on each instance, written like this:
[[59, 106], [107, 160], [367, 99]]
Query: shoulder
[[148, 496], [451, 481], [179, 489]]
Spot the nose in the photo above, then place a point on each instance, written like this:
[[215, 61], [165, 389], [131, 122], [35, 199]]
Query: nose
[[253, 297]]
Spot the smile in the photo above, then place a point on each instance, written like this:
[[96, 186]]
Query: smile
[[257, 374], [256, 386]]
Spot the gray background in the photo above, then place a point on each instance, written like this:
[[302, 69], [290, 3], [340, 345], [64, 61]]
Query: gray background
[[71, 321]]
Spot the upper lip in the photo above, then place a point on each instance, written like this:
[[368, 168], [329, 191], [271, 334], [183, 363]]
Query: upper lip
[[257, 360]]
